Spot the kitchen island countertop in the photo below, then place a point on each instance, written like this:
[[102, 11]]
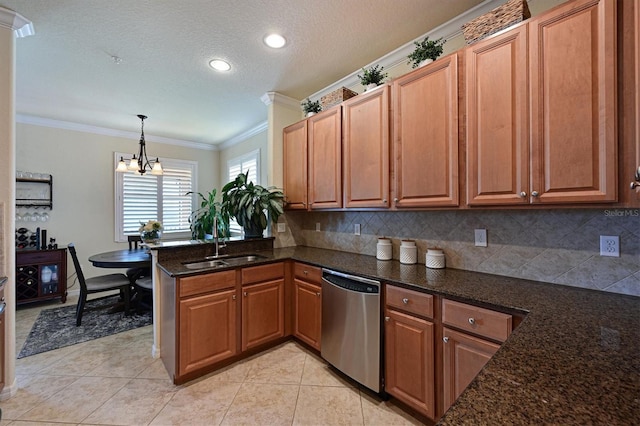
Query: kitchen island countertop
[[574, 359]]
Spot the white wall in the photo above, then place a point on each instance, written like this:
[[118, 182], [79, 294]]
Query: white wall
[[82, 166]]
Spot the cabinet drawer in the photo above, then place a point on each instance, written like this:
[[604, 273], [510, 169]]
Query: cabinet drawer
[[199, 284], [484, 322], [257, 274], [409, 301], [307, 272]]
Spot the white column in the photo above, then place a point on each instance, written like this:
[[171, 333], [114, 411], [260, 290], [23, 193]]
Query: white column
[[11, 25]]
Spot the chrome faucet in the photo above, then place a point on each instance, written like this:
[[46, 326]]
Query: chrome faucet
[[216, 238]]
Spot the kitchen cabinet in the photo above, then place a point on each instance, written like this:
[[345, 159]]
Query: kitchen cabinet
[[425, 136], [409, 348], [325, 159], [207, 320], [365, 144], [262, 304], [307, 304], [41, 275], [295, 165], [471, 336], [567, 86]]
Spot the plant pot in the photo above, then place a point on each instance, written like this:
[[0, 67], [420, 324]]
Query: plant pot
[[370, 86], [253, 231], [309, 114], [151, 237], [425, 62]]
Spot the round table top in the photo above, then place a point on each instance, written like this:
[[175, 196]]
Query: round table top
[[122, 258]]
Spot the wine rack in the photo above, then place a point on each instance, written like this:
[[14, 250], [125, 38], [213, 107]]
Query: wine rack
[[41, 275]]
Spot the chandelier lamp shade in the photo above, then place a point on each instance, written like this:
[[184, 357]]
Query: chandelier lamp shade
[[141, 163]]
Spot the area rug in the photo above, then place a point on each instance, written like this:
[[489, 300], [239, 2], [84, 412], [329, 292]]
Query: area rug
[[56, 328]]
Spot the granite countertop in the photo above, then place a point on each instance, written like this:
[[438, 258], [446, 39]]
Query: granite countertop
[[574, 359]]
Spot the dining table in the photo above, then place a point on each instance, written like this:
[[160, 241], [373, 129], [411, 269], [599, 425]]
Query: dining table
[[134, 258]]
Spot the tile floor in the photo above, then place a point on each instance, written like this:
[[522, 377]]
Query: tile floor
[[114, 381]]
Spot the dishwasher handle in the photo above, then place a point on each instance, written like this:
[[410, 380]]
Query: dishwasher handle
[[353, 285]]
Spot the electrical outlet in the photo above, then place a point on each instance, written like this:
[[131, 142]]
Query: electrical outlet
[[481, 237], [317, 226], [610, 245], [282, 227], [356, 229]]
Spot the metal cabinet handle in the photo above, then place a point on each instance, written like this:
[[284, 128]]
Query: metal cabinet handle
[[472, 321], [305, 272], [244, 293], [523, 194], [233, 297], [395, 200], [445, 339], [635, 185], [384, 201], [535, 193], [387, 319], [405, 301], [304, 204], [318, 294]]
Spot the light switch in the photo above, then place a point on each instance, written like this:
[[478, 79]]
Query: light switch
[[282, 227], [481, 237]]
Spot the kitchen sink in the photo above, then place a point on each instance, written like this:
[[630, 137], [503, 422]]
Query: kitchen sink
[[228, 261]]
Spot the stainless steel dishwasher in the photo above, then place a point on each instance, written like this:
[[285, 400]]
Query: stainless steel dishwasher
[[351, 326]]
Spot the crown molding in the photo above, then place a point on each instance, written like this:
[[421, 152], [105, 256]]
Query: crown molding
[[260, 128], [275, 97], [447, 31], [16, 22], [85, 128]]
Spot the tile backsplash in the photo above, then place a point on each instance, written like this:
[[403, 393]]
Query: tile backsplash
[[557, 246]]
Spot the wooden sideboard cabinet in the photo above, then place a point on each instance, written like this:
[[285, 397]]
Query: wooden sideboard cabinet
[[41, 275]]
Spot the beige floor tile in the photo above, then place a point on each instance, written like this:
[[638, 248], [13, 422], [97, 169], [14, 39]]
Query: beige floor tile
[[282, 366], [203, 403], [137, 403], [81, 361], [76, 401], [27, 423], [384, 413], [155, 370], [317, 372], [130, 362], [319, 405], [32, 391], [262, 404]]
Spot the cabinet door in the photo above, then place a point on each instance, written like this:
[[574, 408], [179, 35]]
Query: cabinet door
[[325, 159], [366, 149], [463, 358], [295, 165], [426, 135], [308, 312], [262, 313], [409, 361], [573, 98], [497, 120], [207, 330]]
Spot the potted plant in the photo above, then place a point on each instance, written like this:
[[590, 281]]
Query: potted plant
[[250, 204], [202, 219], [372, 77], [311, 107], [425, 52]]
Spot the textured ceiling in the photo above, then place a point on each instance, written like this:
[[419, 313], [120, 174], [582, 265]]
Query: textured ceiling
[[66, 72]]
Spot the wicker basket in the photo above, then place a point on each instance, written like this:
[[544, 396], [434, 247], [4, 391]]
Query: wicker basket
[[512, 12], [335, 97]]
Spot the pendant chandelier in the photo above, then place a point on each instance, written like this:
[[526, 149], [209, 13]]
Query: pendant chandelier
[[141, 163]]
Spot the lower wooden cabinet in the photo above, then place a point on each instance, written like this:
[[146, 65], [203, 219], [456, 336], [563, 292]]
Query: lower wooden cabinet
[[207, 330], [262, 313], [409, 352], [463, 358], [308, 312]]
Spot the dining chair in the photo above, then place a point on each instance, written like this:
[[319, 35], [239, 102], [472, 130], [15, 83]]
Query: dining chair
[[140, 278], [98, 284]]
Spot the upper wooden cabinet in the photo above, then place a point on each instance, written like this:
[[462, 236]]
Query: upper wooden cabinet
[[325, 165], [568, 80], [497, 123], [425, 135], [294, 142], [366, 149], [573, 103]]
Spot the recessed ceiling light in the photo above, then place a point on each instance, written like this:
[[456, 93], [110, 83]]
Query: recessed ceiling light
[[219, 65], [275, 40]]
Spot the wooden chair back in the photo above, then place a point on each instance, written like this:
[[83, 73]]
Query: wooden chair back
[[133, 241], [76, 264]]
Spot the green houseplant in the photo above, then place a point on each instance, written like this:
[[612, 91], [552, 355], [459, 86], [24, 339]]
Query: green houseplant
[[372, 77], [426, 49], [311, 107], [250, 204], [203, 218]]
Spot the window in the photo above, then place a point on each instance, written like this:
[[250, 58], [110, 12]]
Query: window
[[140, 198], [249, 162]]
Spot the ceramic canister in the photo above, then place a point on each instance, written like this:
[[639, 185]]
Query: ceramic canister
[[384, 249], [408, 252], [434, 258]]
